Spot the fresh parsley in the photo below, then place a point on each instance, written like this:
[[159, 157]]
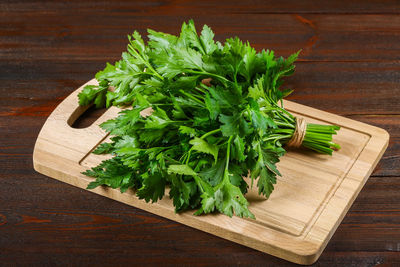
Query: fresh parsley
[[216, 114]]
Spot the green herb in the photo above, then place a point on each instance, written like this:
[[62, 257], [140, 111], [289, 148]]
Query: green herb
[[201, 138]]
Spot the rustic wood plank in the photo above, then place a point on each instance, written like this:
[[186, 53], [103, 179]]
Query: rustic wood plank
[[82, 36], [209, 7], [347, 88]]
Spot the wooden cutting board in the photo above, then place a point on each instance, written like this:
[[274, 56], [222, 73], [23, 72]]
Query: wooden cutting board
[[295, 223]]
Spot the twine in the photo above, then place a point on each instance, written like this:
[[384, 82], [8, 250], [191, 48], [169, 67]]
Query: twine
[[299, 133]]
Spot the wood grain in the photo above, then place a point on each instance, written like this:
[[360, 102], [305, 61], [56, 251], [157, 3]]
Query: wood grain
[[165, 7], [322, 37], [49, 48]]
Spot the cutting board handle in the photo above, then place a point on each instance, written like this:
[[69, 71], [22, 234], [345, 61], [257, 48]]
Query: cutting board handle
[[71, 108], [58, 128]]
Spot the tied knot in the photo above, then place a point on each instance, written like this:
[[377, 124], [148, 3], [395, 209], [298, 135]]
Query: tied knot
[[299, 133]]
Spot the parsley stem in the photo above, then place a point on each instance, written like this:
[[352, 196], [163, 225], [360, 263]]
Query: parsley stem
[[188, 156], [202, 137], [284, 111], [283, 117], [208, 74], [191, 96], [145, 62], [235, 77], [200, 90], [228, 152], [285, 124], [204, 86], [210, 133]]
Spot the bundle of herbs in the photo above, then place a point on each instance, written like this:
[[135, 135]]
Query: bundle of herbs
[[216, 114]]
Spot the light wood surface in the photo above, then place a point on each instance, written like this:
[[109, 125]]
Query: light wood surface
[[295, 223]]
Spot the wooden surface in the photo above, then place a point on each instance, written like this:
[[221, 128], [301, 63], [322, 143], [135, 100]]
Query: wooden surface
[[296, 222], [349, 66]]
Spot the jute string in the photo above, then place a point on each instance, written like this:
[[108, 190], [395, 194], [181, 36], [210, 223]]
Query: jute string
[[299, 133]]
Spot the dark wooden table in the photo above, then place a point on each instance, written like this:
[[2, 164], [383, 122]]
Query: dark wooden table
[[350, 65]]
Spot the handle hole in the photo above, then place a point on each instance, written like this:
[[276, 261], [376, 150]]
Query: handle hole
[[84, 117]]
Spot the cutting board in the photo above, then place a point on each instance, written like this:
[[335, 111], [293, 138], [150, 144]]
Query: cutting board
[[295, 223]]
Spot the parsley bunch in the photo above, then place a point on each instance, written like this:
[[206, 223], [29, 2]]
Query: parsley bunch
[[216, 114]]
